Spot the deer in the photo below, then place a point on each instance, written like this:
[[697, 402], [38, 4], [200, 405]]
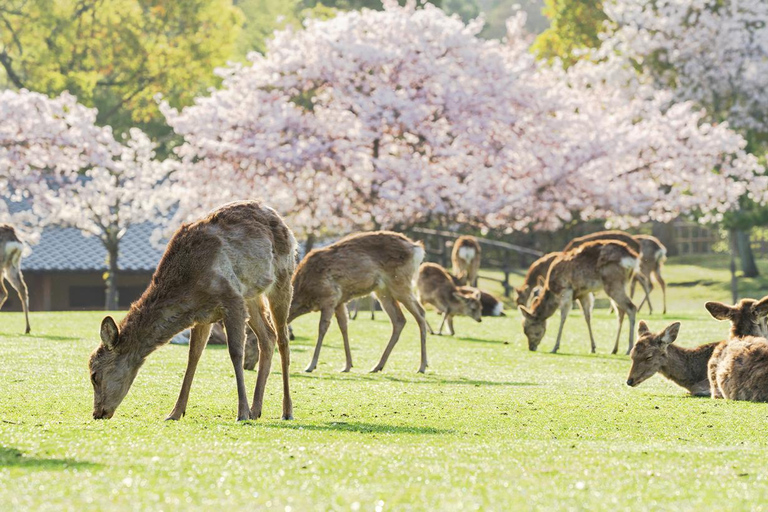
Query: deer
[[465, 258], [491, 306], [438, 289], [575, 275], [11, 250], [657, 353], [653, 254], [649, 249], [380, 262], [235, 266], [738, 368], [535, 279]]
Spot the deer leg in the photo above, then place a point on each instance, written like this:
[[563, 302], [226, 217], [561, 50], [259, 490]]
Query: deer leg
[[373, 308], [450, 325], [198, 339], [587, 304], [566, 303], [392, 309], [615, 290], [445, 317], [353, 310], [325, 321], [259, 322], [414, 308], [657, 274], [234, 324], [16, 278], [251, 354], [341, 318], [3, 291], [280, 305]]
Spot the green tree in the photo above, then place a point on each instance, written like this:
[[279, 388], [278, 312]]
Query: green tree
[[574, 25], [116, 55]]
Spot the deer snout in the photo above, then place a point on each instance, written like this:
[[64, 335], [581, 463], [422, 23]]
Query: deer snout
[[630, 381], [102, 414]]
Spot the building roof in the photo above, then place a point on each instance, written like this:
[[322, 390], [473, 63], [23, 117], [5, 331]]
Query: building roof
[[67, 249]]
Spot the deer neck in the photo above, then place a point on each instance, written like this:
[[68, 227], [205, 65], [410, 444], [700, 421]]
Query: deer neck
[[149, 325], [547, 304], [687, 367]]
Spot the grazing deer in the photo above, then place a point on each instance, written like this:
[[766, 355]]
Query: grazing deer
[[656, 352], [381, 262], [438, 289], [652, 255], [535, 279], [466, 260], [575, 275], [737, 368], [218, 268], [10, 268]]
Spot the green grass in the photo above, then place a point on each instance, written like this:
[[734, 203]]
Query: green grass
[[490, 426]]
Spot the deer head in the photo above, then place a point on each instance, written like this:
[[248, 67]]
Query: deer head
[[533, 327], [112, 372], [468, 300], [746, 317], [650, 352]]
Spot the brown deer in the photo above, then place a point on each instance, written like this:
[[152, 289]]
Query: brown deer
[[656, 352], [652, 255], [218, 268], [738, 368], [382, 262], [651, 251], [465, 258], [535, 279], [575, 275], [438, 289], [10, 268]]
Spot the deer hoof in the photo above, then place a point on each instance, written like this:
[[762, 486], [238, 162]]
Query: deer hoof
[[309, 369], [287, 417], [345, 369], [376, 369]]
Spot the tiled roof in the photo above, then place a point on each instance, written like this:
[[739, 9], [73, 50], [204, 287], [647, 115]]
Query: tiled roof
[[66, 249]]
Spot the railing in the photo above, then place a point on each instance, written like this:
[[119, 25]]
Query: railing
[[508, 258]]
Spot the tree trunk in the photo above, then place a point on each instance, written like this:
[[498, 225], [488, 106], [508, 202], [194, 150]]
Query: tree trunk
[[309, 244], [111, 277], [748, 266]]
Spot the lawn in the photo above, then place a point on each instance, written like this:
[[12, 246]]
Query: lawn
[[490, 426]]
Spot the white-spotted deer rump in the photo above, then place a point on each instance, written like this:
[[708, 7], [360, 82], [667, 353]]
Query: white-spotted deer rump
[[438, 289], [596, 265], [11, 249], [380, 262], [465, 258], [738, 369], [233, 266]]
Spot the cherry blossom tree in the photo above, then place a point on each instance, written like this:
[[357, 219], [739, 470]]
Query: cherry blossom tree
[[70, 172], [380, 119]]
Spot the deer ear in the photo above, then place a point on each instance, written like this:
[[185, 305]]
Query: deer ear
[[670, 333], [719, 310], [526, 312], [109, 332], [761, 308], [642, 328], [476, 294], [541, 281]]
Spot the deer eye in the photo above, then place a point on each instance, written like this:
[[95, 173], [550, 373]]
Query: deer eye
[[94, 379]]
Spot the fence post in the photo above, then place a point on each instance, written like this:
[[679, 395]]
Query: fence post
[[507, 287]]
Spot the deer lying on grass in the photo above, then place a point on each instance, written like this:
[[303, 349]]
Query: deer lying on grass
[[652, 255], [10, 268], [465, 258], [491, 305], [738, 369], [575, 275], [382, 262], [438, 289], [656, 352], [218, 268], [535, 279]]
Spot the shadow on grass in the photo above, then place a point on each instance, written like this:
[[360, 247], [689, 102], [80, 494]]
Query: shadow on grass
[[360, 428], [13, 458], [620, 357], [41, 336], [427, 379]]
